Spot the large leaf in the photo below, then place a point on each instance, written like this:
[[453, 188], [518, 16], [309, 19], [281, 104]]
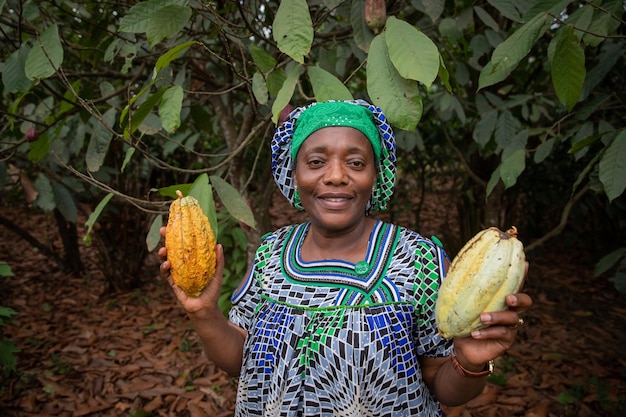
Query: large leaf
[[264, 61], [509, 53], [202, 191], [167, 22], [398, 97], [154, 234], [233, 201], [101, 136], [165, 59], [65, 202], [139, 16], [361, 33], [45, 193], [286, 92], [293, 29], [568, 67], [46, 56], [259, 88], [483, 131], [14, 78], [326, 86], [507, 8], [170, 107], [414, 54], [433, 8], [613, 167], [93, 217]]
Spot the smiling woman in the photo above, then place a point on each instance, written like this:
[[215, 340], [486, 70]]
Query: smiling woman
[[336, 315]]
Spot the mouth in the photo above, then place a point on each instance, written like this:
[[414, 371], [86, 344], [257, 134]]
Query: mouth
[[334, 202]]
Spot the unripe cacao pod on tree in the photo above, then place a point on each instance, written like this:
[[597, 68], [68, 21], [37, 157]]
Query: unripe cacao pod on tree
[[490, 266], [190, 244], [375, 14]]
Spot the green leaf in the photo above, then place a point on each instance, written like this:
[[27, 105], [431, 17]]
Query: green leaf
[[286, 92], [361, 33], [414, 54], [233, 201], [493, 181], [568, 67], [45, 193], [433, 8], [293, 29], [202, 191], [143, 111], [326, 86], [509, 53], [613, 167], [5, 270], [7, 359], [154, 234], [264, 61], [165, 59], [101, 136], [543, 150], [506, 128], [46, 56], [259, 88], [138, 17], [486, 18], [512, 166], [133, 100], [170, 107], [64, 202], [93, 217], [507, 9], [398, 97], [485, 127], [14, 78], [167, 22], [608, 261]]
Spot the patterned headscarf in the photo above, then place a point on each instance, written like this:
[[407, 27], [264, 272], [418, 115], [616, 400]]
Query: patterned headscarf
[[283, 162]]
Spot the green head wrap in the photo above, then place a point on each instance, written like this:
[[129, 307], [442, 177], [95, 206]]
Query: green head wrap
[[335, 113]]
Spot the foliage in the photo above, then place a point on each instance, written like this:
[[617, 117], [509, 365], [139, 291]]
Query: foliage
[[130, 100], [7, 347]]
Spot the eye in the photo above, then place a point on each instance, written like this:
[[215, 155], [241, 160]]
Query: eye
[[315, 162], [356, 163]]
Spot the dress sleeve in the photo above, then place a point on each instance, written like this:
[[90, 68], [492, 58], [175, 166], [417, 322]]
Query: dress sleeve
[[247, 297], [430, 271]]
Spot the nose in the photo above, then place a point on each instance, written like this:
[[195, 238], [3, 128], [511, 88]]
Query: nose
[[336, 173]]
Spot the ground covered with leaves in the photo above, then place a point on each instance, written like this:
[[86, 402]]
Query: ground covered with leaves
[[85, 351]]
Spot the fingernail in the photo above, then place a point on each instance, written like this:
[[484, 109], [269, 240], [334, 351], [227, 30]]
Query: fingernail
[[512, 300], [475, 333], [485, 318]]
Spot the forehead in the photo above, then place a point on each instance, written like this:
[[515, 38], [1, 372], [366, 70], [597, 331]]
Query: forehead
[[337, 137]]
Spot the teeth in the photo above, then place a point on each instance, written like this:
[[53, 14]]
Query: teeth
[[335, 199]]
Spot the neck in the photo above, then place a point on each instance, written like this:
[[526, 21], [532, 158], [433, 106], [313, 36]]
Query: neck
[[349, 245]]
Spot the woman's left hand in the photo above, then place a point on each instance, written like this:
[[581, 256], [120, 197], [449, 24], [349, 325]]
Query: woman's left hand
[[501, 329]]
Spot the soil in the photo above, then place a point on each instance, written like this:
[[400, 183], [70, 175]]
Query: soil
[[87, 351]]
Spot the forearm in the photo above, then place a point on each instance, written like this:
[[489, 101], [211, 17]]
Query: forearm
[[222, 341]]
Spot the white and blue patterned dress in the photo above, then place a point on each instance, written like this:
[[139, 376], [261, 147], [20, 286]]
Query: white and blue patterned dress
[[331, 338]]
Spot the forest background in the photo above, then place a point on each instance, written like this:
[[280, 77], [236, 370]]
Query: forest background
[[513, 109]]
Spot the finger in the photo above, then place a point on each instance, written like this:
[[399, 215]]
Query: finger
[[165, 267], [519, 301], [162, 231], [162, 253]]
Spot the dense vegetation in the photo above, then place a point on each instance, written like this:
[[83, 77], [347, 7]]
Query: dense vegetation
[[108, 107]]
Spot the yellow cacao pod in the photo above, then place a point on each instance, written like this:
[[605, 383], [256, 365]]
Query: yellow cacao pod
[[490, 266], [190, 245]]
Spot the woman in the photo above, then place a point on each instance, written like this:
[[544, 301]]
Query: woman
[[336, 316]]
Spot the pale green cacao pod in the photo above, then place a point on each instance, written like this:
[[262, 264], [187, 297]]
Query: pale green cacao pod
[[490, 266]]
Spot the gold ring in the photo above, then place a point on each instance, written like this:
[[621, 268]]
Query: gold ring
[[520, 322]]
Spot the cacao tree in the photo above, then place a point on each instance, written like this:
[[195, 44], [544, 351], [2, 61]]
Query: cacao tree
[[108, 107]]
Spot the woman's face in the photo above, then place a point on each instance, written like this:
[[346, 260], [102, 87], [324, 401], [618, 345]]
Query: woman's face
[[335, 174]]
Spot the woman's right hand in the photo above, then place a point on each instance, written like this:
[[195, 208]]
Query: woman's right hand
[[205, 306]]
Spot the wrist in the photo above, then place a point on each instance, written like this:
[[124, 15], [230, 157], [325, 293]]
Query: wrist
[[470, 371]]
